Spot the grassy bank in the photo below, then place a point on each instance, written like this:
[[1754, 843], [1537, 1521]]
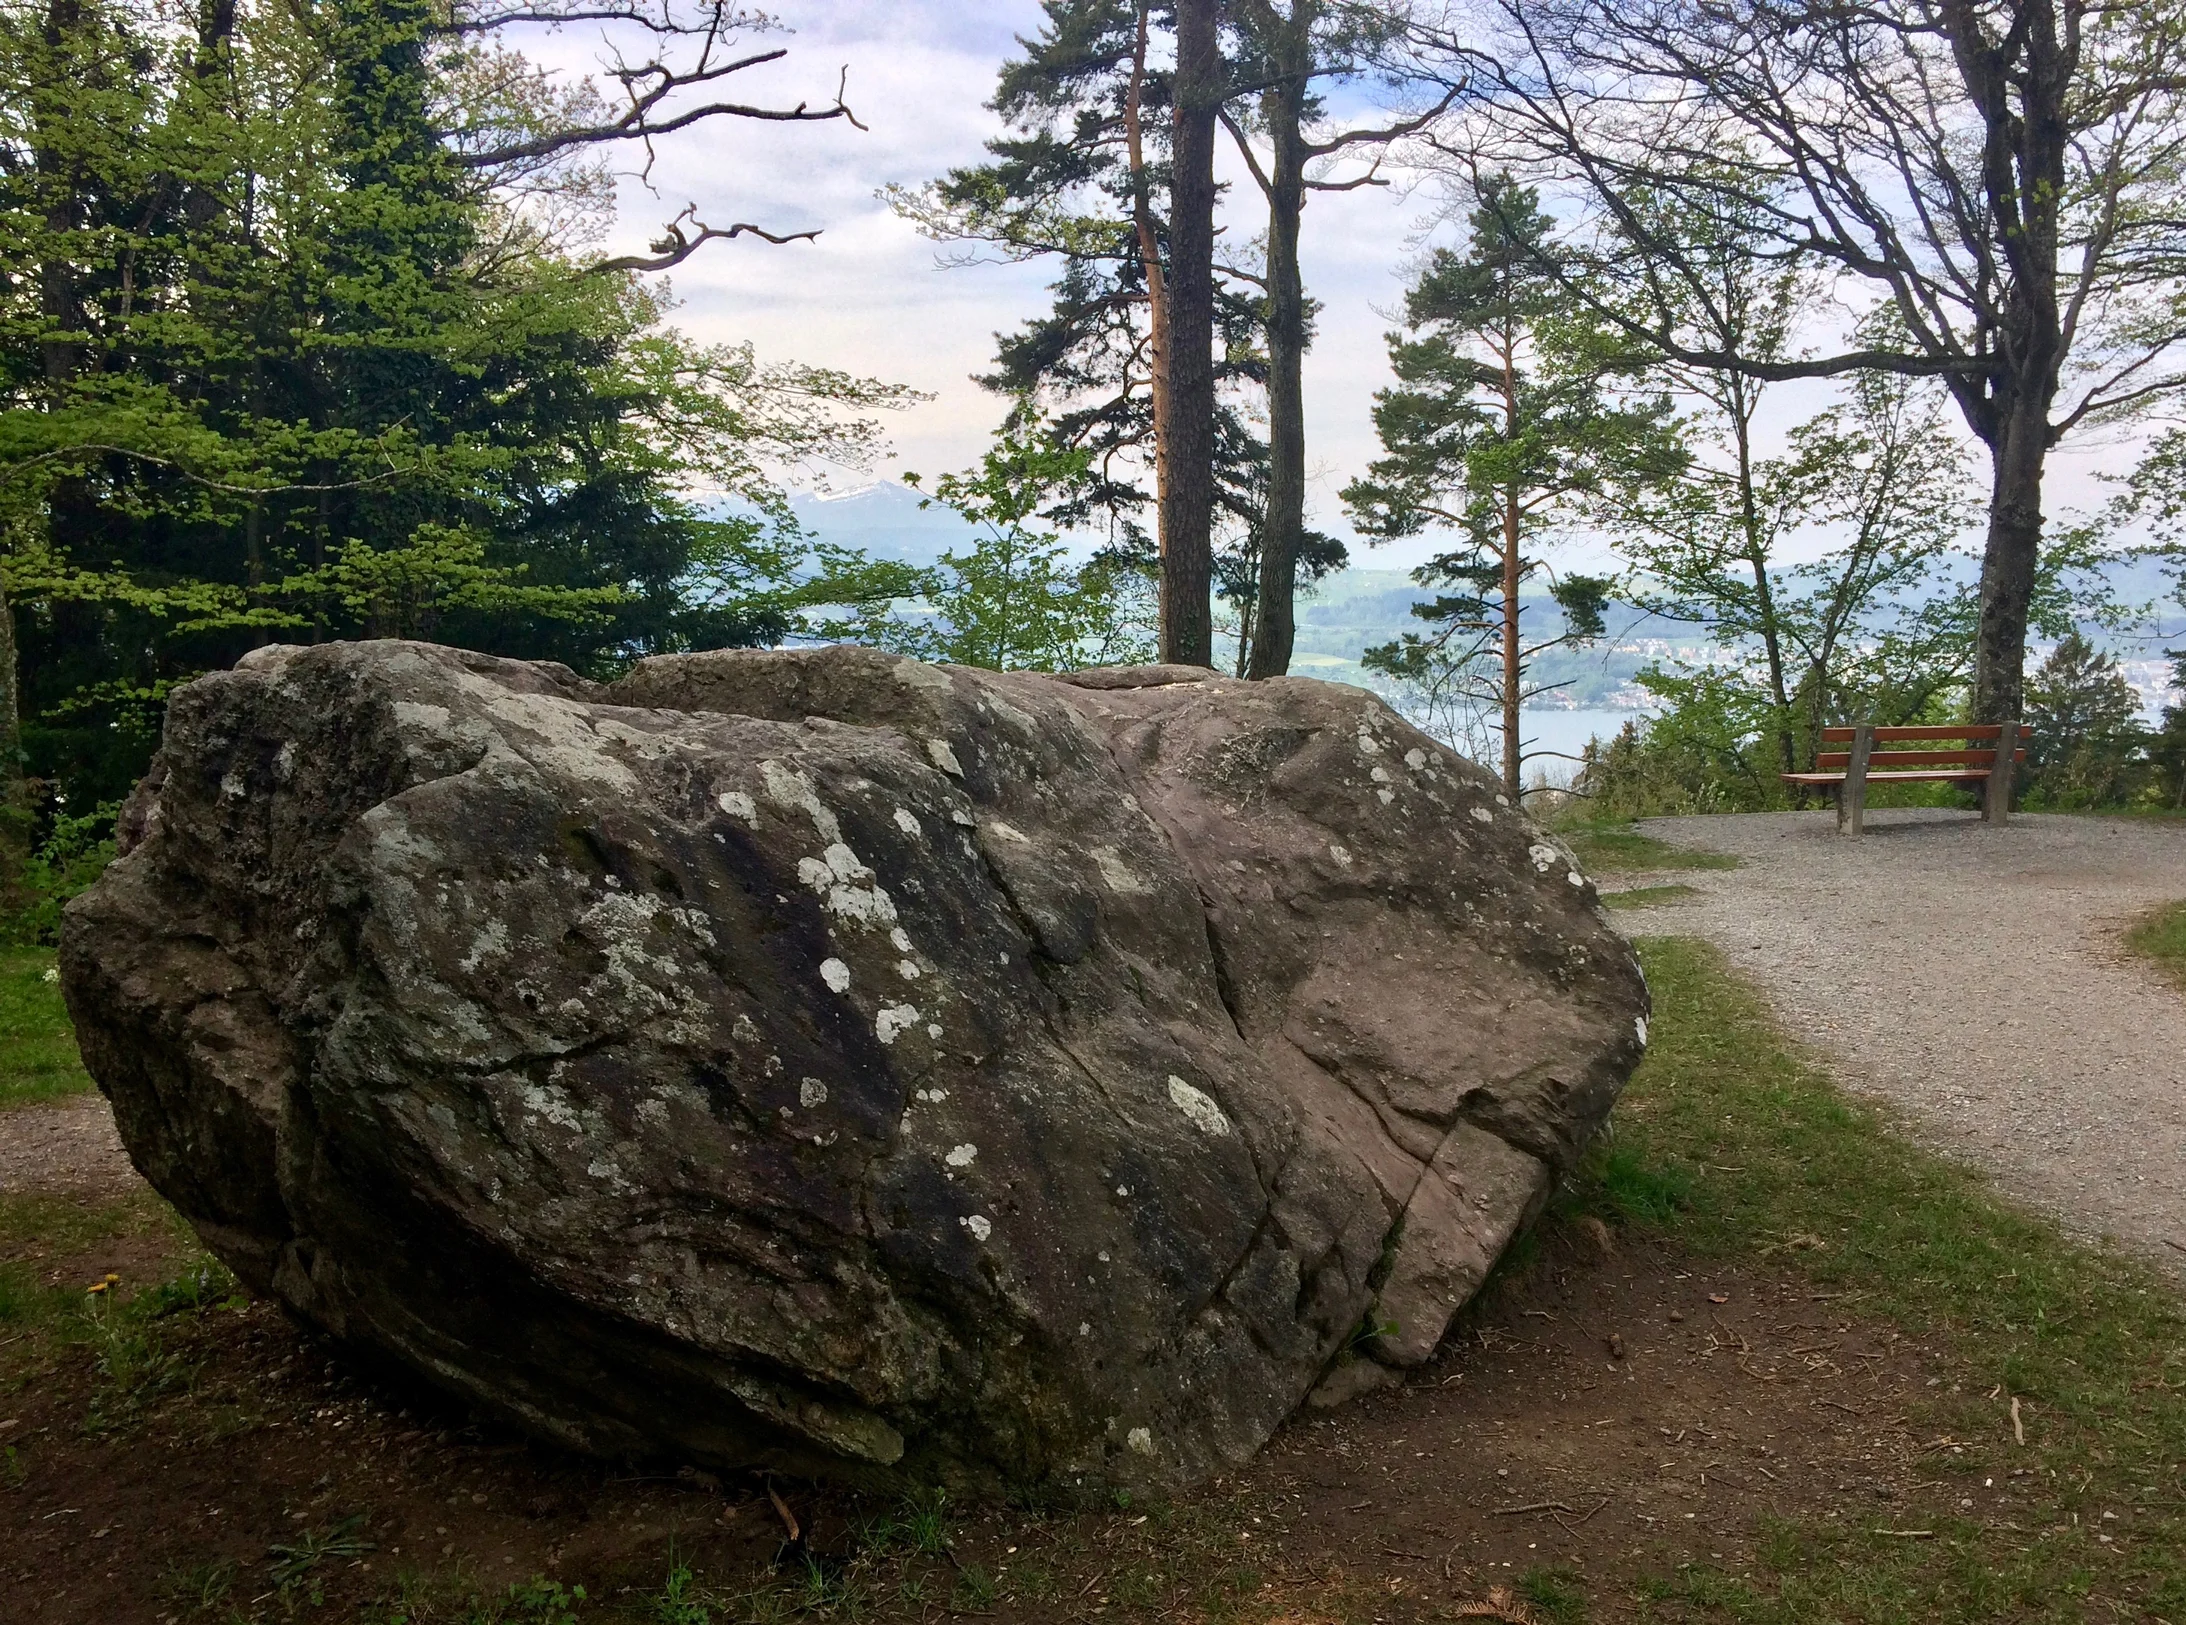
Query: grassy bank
[[38, 1059], [1622, 849], [2160, 935], [1733, 1144]]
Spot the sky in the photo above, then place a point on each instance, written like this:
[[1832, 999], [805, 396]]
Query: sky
[[871, 296]]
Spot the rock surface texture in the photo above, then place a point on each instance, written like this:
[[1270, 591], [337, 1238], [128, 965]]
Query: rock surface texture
[[821, 1059]]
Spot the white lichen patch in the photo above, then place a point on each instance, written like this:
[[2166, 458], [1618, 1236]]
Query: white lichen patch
[[1576, 878], [979, 1225], [417, 714], [559, 737], [811, 1092], [848, 886], [933, 1029], [1380, 775], [939, 752], [1117, 875], [962, 1156], [1543, 855], [932, 1097], [1368, 744], [492, 942], [553, 1104], [1639, 1026], [1008, 832], [893, 1021], [1199, 1107], [738, 804], [788, 788], [1340, 853], [603, 1168], [1387, 796], [1140, 1440], [622, 926], [907, 821], [1481, 815], [901, 940], [836, 975], [907, 969], [1415, 758]]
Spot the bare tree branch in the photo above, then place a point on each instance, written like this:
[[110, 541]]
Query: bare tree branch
[[675, 245]]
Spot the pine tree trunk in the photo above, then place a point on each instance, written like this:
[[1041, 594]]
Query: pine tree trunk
[[1187, 499], [1157, 286], [1284, 526], [1513, 652]]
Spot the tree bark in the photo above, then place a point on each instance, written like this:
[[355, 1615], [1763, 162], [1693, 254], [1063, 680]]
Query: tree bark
[[1764, 592], [1513, 663], [1187, 499], [1284, 525], [58, 304], [2008, 563], [14, 780], [1157, 287]]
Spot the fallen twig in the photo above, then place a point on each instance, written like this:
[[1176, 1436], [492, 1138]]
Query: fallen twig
[[789, 1519], [1536, 1506], [1906, 1534], [2018, 1428]]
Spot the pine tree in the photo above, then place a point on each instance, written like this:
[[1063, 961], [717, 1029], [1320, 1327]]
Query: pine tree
[[1500, 423], [319, 349]]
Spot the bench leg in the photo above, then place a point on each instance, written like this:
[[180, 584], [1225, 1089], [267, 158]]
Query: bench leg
[[1852, 794], [1996, 793]]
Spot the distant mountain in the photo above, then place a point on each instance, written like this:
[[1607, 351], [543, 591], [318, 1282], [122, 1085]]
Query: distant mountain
[[884, 521], [1359, 608]]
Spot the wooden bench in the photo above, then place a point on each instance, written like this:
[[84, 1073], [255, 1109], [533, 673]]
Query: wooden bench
[[1846, 772]]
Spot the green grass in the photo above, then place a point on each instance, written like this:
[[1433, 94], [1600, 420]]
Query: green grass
[[38, 1059], [1616, 848], [2160, 935], [1732, 1143], [1647, 896]]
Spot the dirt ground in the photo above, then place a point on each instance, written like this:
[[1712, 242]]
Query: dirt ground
[[1610, 1412], [1975, 977]]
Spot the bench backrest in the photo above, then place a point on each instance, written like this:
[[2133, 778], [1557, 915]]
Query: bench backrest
[[1981, 739]]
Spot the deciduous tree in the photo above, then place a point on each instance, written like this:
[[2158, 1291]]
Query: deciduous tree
[[2003, 175]]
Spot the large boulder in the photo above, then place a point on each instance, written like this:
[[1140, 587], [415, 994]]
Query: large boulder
[[820, 1059]]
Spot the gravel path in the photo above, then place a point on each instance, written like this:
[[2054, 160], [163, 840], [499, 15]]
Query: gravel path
[[1976, 977], [64, 1148]]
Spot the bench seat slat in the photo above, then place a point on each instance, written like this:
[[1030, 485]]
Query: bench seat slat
[[1913, 758]]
